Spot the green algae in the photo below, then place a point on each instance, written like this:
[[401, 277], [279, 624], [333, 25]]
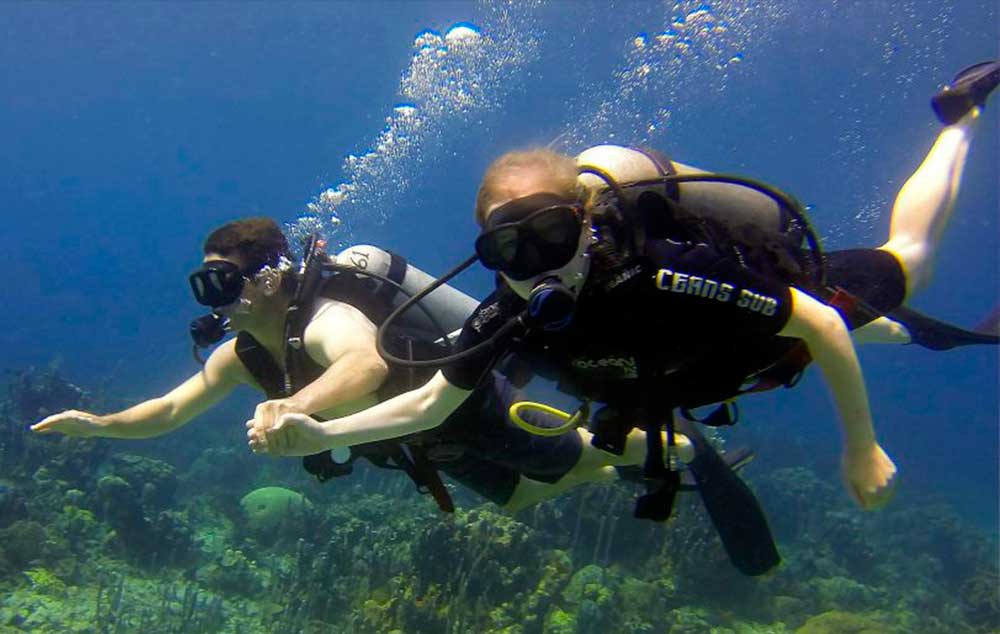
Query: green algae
[[838, 622]]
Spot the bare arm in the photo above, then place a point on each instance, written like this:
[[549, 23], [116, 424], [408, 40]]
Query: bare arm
[[830, 345], [867, 469], [342, 339], [418, 410], [155, 417]]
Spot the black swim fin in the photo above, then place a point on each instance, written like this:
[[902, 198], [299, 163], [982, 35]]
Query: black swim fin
[[969, 89], [732, 506], [736, 459], [937, 335]]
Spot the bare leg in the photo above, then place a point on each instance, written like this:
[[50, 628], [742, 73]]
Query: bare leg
[[925, 202], [594, 466]]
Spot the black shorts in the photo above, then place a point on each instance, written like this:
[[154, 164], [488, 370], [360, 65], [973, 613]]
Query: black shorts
[[480, 448], [874, 275]]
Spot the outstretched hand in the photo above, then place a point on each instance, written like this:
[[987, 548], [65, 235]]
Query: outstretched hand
[[70, 423], [870, 476], [290, 435]]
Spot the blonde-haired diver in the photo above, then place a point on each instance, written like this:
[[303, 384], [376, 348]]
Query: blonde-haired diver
[[679, 319]]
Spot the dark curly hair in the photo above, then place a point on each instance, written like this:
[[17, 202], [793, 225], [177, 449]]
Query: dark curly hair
[[257, 242]]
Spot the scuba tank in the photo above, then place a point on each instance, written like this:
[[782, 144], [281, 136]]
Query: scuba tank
[[443, 311], [762, 227], [729, 203]]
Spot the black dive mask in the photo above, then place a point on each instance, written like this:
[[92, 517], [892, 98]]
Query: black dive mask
[[217, 283], [528, 236]]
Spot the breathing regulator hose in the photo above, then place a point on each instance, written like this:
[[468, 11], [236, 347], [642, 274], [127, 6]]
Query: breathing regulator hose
[[440, 361]]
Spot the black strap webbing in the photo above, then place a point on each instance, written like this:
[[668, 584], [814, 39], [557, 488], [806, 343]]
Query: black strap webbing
[[412, 459], [426, 475], [665, 167], [387, 292], [664, 481], [260, 365]]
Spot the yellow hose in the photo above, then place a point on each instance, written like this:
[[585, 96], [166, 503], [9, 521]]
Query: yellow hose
[[572, 420]]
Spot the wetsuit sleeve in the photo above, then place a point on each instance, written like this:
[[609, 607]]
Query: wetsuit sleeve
[[699, 288], [488, 318]]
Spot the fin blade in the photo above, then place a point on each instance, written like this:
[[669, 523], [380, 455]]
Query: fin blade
[[732, 507], [938, 335]]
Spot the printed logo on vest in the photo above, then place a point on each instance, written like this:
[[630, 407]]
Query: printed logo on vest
[[626, 365], [707, 288], [484, 315]]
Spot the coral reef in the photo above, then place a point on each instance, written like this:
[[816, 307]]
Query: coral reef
[[98, 539], [154, 479]]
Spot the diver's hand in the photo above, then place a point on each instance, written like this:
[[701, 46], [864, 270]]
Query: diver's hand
[[291, 435], [267, 413], [70, 423], [870, 476]]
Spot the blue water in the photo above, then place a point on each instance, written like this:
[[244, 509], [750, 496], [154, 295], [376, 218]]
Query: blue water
[[128, 131]]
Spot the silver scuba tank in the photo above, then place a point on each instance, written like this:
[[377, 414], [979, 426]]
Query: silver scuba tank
[[730, 204], [449, 306]]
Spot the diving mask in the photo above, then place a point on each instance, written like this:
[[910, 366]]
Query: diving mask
[[217, 283], [531, 235]]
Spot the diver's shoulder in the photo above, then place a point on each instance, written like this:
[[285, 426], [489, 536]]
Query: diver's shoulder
[[337, 326], [225, 363], [328, 309]]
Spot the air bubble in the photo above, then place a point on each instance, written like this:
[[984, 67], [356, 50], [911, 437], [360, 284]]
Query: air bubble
[[405, 110], [462, 31]]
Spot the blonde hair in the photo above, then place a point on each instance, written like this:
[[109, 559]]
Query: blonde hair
[[558, 169]]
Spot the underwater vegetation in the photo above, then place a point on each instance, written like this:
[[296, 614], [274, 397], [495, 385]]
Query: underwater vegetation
[[101, 538]]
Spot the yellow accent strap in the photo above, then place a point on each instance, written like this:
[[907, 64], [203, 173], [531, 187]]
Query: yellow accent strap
[[572, 420]]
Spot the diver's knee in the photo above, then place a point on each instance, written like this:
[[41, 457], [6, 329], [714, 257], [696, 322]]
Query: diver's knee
[[915, 260], [882, 330]]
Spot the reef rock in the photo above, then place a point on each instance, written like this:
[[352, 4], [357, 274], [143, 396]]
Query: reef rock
[[154, 479], [268, 508]]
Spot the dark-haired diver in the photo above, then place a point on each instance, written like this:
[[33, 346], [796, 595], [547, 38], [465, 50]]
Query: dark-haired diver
[[311, 348], [636, 297]]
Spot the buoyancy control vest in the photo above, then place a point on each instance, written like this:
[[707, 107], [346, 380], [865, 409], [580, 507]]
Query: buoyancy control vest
[[374, 281], [640, 194]]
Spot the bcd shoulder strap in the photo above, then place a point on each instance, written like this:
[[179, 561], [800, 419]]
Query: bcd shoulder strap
[[261, 365]]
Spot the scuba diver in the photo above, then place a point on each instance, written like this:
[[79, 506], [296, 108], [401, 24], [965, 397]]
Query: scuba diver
[[307, 339], [652, 287]]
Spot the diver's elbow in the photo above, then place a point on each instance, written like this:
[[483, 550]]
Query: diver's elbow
[[429, 413], [831, 322], [436, 400]]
